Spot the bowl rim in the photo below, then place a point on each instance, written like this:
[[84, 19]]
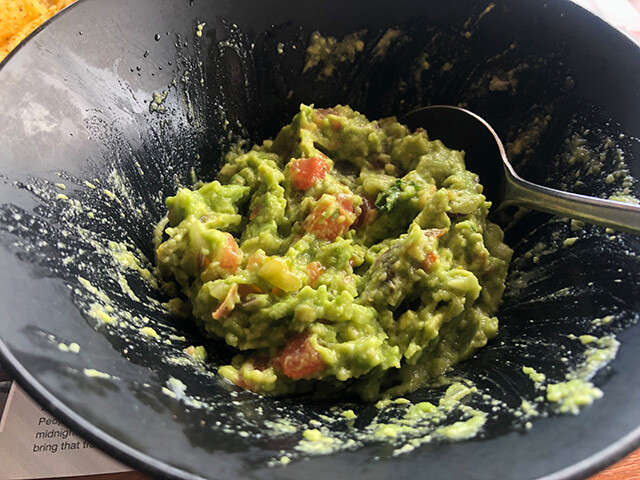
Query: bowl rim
[[146, 464], [105, 442]]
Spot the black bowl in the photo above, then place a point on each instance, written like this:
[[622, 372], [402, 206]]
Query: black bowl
[[88, 153]]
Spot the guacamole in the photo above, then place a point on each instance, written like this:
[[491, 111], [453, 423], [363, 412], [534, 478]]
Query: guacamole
[[343, 254]]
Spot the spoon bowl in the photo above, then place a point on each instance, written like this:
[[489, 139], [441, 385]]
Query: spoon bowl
[[485, 155]]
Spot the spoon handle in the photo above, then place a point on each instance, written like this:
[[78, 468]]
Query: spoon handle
[[606, 213]]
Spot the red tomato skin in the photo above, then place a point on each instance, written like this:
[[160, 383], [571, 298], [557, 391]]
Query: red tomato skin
[[430, 259], [327, 228], [299, 359], [305, 172], [230, 255], [315, 269]]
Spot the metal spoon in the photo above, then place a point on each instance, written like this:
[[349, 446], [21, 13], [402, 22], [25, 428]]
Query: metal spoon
[[464, 130]]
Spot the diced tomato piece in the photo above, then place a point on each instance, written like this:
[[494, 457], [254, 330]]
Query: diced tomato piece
[[345, 202], [299, 359], [430, 259], [307, 171], [330, 219], [230, 257], [314, 269], [368, 213]]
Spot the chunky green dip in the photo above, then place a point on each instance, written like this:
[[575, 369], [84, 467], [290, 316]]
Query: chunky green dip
[[344, 254]]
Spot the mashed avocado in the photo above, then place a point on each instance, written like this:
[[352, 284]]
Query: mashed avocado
[[344, 254]]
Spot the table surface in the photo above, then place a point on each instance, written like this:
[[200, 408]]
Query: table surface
[[626, 469]]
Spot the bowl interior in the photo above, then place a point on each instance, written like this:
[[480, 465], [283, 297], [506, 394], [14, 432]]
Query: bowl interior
[[91, 146]]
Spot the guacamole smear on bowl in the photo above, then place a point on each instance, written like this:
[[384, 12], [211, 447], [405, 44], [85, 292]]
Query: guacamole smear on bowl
[[343, 254]]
